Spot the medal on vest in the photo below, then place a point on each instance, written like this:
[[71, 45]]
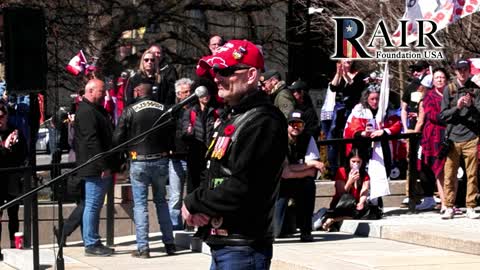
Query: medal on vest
[[224, 146], [212, 143], [216, 222], [218, 147]]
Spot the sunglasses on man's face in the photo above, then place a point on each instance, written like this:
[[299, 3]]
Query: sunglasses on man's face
[[297, 125], [227, 72]]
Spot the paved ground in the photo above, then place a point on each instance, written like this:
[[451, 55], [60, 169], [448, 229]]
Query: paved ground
[[343, 250], [329, 251]]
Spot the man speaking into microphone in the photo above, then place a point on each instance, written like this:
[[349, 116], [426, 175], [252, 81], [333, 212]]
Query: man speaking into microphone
[[235, 208], [149, 158]]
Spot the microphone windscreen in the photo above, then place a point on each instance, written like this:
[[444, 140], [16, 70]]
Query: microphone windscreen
[[201, 91]]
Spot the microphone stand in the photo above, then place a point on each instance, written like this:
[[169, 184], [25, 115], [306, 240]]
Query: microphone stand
[[115, 149]]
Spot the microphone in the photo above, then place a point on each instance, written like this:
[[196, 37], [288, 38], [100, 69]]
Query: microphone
[[200, 91]]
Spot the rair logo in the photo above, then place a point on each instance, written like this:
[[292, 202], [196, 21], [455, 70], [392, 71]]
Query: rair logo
[[349, 31]]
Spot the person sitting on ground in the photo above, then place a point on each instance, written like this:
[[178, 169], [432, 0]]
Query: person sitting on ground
[[352, 179]]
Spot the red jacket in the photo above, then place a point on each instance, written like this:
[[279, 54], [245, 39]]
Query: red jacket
[[358, 119]]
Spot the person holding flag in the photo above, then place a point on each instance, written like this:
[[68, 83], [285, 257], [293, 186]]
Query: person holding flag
[[368, 120]]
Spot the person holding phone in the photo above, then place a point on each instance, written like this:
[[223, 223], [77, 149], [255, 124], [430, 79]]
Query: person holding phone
[[352, 179], [13, 153]]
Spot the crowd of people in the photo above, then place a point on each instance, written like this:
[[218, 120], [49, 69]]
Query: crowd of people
[[215, 149]]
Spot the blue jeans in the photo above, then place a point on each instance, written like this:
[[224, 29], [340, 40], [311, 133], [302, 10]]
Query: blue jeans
[[241, 258], [95, 190], [279, 215], [177, 172], [143, 173]]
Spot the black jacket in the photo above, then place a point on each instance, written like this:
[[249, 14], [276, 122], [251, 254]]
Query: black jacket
[[244, 182], [139, 117], [462, 123], [93, 135], [310, 117], [13, 157], [202, 123], [349, 94], [180, 148]]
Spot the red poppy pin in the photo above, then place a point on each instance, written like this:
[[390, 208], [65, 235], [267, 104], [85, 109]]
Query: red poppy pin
[[229, 130]]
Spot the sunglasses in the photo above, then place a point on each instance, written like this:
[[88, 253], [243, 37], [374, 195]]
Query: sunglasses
[[149, 59], [373, 89], [227, 72], [296, 125]]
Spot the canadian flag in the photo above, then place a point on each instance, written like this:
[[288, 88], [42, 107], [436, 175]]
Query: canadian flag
[[474, 66], [77, 64]]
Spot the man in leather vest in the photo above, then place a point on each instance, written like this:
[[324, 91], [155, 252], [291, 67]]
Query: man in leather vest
[[244, 164], [148, 165]]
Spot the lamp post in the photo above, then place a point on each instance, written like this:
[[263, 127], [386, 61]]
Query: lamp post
[[307, 50], [307, 43]]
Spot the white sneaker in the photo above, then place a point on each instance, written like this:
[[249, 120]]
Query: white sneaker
[[471, 214], [448, 214], [405, 201], [428, 203]]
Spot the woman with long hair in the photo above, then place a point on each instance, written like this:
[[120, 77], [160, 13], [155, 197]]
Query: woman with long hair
[[348, 84], [432, 135], [147, 72], [352, 179]]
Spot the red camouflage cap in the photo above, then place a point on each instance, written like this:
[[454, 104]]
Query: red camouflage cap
[[232, 53]]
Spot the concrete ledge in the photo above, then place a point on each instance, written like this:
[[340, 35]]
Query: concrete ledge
[[425, 229], [422, 236]]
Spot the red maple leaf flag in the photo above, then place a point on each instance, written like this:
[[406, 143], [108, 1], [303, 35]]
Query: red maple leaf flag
[[442, 12], [474, 66], [77, 64]]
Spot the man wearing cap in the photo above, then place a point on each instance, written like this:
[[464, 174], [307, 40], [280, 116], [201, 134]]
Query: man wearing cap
[[148, 165], [276, 88], [303, 102], [298, 177], [461, 112], [411, 97], [244, 160]]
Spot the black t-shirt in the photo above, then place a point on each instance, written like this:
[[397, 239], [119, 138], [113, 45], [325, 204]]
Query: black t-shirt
[[350, 94], [412, 98]]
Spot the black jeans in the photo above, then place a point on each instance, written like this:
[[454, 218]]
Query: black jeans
[[196, 164], [74, 220], [303, 192], [13, 222]]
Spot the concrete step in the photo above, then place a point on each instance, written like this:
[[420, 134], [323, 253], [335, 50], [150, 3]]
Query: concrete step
[[426, 229]]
